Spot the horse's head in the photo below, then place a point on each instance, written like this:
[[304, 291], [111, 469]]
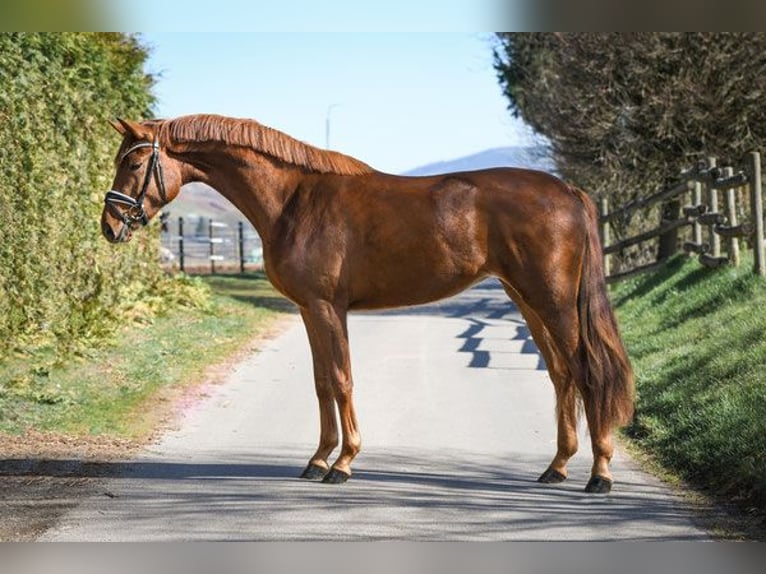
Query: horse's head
[[146, 180]]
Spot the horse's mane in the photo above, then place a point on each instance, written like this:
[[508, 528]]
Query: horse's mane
[[251, 134]]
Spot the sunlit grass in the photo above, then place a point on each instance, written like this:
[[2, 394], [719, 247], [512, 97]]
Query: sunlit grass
[[697, 339], [113, 389]]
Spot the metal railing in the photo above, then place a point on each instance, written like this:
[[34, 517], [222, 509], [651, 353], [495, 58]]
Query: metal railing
[[209, 246]]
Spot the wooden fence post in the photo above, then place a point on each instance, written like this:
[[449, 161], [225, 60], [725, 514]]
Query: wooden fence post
[[731, 215], [715, 240], [604, 211], [756, 199], [668, 241], [696, 227], [181, 243]]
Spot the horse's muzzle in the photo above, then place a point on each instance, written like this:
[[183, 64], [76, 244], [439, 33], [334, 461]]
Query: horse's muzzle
[[121, 236]]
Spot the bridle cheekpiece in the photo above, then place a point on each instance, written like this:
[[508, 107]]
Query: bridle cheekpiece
[[131, 209]]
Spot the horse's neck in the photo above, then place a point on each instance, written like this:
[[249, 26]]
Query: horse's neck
[[255, 185]]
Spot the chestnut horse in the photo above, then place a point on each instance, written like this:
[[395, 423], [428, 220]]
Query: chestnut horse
[[339, 236]]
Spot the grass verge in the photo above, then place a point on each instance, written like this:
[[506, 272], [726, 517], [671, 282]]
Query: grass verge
[[696, 340], [118, 390]]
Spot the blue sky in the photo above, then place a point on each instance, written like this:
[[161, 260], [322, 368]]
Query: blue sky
[[395, 100]]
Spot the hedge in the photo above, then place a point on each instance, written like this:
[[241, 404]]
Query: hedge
[[61, 283]]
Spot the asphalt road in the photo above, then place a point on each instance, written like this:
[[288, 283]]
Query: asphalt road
[[457, 420]]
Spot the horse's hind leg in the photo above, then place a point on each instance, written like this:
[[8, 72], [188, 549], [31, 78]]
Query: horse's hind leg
[[601, 442], [559, 322], [566, 414], [566, 393], [328, 337]]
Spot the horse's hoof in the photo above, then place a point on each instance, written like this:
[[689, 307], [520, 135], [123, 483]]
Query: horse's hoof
[[551, 476], [599, 485], [336, 476], [314, 472]]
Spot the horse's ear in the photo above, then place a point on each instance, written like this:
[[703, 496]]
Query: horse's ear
[[117, 126], [133, 128]]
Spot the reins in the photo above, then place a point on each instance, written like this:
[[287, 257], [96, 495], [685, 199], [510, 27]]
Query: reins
[[135, 212]]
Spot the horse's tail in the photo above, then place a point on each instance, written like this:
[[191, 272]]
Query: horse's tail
[[609, 383]]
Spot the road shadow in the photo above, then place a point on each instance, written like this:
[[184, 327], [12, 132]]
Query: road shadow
[[474, 336], [475, 499], [483, 306], [485, 300]]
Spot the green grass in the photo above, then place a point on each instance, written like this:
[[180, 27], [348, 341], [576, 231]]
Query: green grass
[[113, 389], [697, 340]]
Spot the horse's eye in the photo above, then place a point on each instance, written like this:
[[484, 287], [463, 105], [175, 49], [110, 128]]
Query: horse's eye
[[134, 166]]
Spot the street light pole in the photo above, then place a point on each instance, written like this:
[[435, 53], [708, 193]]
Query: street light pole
[[327, 125]]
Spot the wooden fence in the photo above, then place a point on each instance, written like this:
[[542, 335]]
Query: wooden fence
[[724, 205]]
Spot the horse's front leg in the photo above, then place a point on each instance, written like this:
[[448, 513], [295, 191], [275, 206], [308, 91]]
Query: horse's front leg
[[328, 426], [328, 337]]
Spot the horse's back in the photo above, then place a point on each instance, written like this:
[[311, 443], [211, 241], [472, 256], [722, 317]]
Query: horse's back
[[517, 204]]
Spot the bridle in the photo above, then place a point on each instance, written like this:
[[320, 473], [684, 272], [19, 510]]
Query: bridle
[[133, 211]]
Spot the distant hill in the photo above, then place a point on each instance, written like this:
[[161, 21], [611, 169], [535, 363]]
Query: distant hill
[[199, 200], [527, 157]]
